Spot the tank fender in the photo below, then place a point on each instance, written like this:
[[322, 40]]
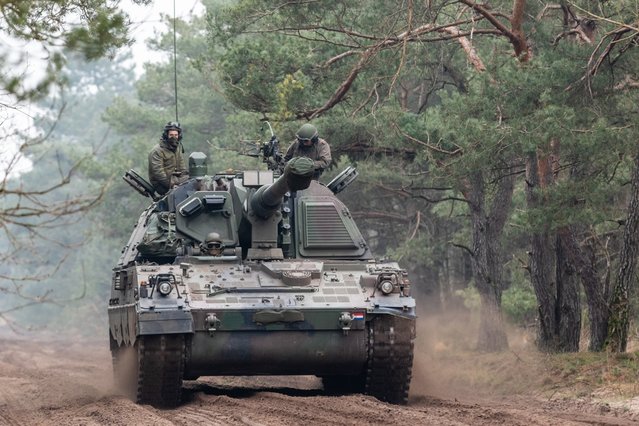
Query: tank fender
[[408, 314], [165, 322], [122, 320]]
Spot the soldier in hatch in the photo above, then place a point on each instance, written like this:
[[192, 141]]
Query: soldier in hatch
[[212, 245], [308, 144], [166, 162]]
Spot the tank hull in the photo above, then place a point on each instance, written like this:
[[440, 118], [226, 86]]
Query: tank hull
[[277, 353], [234, 317]]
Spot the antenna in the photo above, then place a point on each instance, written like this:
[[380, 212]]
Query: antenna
[[175, 66]]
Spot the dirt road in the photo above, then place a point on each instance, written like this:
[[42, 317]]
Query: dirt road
[[61, 383]]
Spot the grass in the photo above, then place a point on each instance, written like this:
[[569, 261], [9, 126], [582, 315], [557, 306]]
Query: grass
[[591, 373]]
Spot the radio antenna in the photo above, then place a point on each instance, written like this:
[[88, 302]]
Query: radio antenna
[[175, 65]]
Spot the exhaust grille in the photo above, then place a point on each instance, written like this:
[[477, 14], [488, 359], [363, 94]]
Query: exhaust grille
[[325, 228]]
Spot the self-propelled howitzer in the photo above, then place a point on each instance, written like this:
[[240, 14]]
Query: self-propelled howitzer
[[245, 274]]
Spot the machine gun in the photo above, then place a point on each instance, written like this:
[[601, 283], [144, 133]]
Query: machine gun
[[272, 156], [269, 152]]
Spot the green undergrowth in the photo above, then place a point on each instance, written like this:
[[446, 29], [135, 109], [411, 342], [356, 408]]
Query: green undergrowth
[[587, 373]]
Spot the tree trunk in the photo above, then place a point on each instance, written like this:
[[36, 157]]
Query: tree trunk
[[620, 306], [568, 311], [543, 276], [596, 292], [487, 229], [542, 259], [541, 262], [550, 273]]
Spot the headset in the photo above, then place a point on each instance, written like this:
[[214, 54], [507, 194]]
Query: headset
[[314, 139], [171, 125]]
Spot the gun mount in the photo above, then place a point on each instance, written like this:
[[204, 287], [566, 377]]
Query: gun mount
[[297, 176]]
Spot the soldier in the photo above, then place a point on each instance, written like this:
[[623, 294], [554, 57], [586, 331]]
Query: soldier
[[212, 245], [309, 144], [166, 163]]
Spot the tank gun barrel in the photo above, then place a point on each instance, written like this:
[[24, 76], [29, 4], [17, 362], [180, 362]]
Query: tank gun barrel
[[297, 176]]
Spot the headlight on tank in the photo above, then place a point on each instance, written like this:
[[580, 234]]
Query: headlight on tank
[[386, 287], [165, 288]]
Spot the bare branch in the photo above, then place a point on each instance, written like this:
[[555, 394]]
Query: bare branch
[[338, 95], [407, 192], [428, 145], [402, 59], [515, 34], [627, 83], [473, 57], [463, 247], [621, 25], [417, 222], [616, 37]]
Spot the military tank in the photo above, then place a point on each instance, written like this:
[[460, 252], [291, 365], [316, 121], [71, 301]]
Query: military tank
[[256, 273]]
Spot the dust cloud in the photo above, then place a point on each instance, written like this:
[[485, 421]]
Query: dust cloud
[[447, 365]]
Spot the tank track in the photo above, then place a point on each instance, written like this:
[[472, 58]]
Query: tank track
[[160, 369], [390, 358]]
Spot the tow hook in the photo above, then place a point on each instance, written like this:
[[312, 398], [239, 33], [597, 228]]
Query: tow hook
[[345, 321], [212, 323]]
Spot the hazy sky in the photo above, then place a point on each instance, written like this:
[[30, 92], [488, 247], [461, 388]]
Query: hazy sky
[[147, 19], [31, 60]]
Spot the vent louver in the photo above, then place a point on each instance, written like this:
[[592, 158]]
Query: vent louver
[[325, 228]]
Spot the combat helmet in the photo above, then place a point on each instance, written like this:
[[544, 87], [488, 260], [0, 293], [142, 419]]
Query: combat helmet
[[213, 244], [172, 125], [307, 132]]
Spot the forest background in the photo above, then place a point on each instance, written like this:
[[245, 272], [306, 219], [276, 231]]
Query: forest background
[[496, 145]]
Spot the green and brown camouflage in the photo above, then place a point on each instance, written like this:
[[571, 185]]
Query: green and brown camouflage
[[295, 290]]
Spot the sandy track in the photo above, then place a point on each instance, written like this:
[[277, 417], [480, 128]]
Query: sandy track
[[61, 383]]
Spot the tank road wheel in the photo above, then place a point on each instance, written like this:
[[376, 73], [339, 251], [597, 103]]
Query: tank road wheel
[[390, 358], [161, 368]]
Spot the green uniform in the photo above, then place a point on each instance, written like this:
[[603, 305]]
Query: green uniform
[[319, 152], [166, 167]]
